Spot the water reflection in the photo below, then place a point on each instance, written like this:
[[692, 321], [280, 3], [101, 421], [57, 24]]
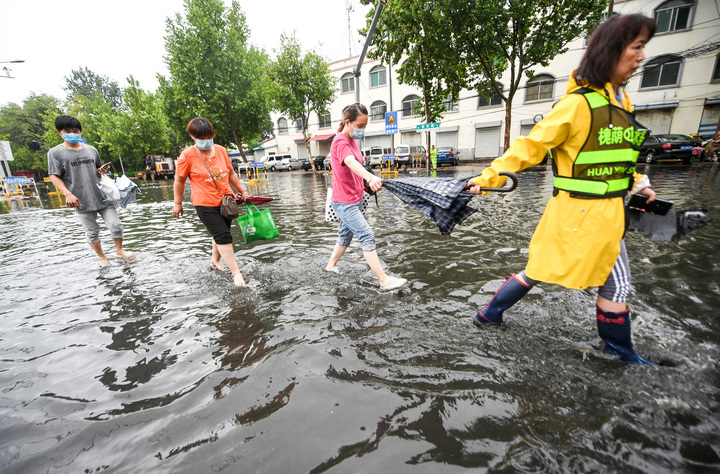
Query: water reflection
[[162, 364]]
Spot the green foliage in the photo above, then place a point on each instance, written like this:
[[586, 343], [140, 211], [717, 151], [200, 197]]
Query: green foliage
[[300, 84], [25, 128], [412, 33], [84, 82], [470, 44], [215, 72]]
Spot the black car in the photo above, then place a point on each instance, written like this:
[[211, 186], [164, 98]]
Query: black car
[[305, 166], [669, 146]]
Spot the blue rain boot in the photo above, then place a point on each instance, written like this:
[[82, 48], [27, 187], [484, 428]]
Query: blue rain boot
[[508, 294], [614, 329]]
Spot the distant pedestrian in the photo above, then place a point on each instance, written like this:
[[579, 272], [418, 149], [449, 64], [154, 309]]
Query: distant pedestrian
[[208, 189], [75, 170], [433, 157], [347, 194]]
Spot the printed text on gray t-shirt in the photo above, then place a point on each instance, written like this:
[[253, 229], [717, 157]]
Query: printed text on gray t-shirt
[[78, 171]]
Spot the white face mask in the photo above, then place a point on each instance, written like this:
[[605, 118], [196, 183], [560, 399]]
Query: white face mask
[[204, 144]]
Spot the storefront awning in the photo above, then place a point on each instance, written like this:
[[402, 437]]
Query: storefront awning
[[319, 138]]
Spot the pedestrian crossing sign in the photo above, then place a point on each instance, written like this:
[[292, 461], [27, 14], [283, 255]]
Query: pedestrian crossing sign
[[391, 123]]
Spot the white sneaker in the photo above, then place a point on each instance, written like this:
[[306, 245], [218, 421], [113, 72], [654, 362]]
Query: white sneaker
[[393, 283], [334, 269]]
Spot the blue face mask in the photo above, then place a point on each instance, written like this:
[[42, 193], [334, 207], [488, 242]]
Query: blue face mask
[[358, 133], [71, 137], [204, 144]]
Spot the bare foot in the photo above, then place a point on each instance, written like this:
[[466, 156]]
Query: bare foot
[[104, 262], [238, 279], [217, 265], [125, 255]]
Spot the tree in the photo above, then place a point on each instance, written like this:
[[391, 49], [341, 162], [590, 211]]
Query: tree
[[300, 84], [140, 130], [26, 127], [84, 82], [412, 34], [469, 44], [518, 34], [215, 72]]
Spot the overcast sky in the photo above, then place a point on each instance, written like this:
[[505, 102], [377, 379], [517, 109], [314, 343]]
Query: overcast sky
[[123, 37]]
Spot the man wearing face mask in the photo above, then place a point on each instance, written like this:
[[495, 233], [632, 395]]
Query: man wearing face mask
[[75, 169]]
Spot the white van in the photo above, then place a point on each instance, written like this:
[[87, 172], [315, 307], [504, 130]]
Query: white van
[[376, 154]]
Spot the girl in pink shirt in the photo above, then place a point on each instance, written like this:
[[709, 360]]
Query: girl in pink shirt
[[347, 194]]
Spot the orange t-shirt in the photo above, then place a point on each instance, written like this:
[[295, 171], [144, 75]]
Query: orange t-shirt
[[204, 192]]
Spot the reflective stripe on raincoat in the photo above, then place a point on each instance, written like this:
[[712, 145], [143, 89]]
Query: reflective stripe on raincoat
[[577, 241]]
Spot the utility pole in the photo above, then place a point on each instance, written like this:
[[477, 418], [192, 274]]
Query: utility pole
[[356, 71]]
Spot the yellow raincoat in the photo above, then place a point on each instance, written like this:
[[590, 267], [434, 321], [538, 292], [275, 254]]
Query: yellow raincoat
[[577, 241]]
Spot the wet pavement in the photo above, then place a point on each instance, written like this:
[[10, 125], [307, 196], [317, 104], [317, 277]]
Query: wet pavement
[[163, 365]]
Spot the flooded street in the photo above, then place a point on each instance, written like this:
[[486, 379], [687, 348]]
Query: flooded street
[[162, 365]]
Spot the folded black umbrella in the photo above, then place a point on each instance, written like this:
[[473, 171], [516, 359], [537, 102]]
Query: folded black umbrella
[[444, 200]]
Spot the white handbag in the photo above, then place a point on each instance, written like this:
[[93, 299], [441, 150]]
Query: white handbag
[[108, 189], [331, 215]]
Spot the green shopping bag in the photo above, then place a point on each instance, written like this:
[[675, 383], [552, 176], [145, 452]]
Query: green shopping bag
[[257, 225]]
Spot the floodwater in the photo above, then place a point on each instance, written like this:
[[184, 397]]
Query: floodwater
[[162, 365]]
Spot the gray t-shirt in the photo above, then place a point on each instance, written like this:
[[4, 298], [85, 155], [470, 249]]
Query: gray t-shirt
[[78, 171]]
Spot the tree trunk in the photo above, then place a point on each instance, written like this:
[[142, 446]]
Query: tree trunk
[[233, 131], [508, 122], [307, 147]]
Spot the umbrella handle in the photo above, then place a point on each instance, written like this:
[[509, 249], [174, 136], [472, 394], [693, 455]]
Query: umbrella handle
[[504, 189]]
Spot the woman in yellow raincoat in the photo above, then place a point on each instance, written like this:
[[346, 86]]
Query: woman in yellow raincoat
[[593, 138]]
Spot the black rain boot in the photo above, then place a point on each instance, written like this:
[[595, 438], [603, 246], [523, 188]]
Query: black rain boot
[[508, 294], [614, 329]]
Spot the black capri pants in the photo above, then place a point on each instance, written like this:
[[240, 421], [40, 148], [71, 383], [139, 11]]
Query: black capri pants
[[216, 224]]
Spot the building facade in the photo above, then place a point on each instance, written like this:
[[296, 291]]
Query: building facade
[[677, 90]]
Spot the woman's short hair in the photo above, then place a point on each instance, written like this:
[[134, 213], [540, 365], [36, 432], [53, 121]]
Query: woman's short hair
[[200, 128], [351, 113], [66, 122], [607, 44]]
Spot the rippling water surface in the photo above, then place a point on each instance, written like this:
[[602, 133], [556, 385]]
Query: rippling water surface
[[163, 365]]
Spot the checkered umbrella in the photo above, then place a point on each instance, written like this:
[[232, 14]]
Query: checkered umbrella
[[444, 200]]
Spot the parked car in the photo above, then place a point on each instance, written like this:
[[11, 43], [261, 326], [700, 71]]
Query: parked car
[[668, 147], [447, 155], [326, 162], [403, 154], [376, 154], [319, 163], [274, 162], [289, 163], [418, 153]]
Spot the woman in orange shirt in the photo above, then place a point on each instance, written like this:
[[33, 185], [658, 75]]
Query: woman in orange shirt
[[208, 190]]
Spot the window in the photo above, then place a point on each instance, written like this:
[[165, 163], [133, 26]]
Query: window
[[451, 105], [663, 71], [298, 124], [378, 76], [493, 101], [324, 120], [541, 87], [673, 15], [282, 126], [377, 110], [410, 106], [716, 72], [348, 83]]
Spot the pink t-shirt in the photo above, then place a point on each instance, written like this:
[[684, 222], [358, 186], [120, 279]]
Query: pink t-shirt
[[347, 187]]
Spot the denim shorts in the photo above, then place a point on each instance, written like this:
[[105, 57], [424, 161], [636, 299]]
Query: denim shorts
[[352, 222]]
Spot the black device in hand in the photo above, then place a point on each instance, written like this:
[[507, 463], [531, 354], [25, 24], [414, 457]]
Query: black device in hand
[[658, 206]]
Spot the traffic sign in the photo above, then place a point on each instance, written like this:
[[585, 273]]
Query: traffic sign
[[424, 126], [391, 123]]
